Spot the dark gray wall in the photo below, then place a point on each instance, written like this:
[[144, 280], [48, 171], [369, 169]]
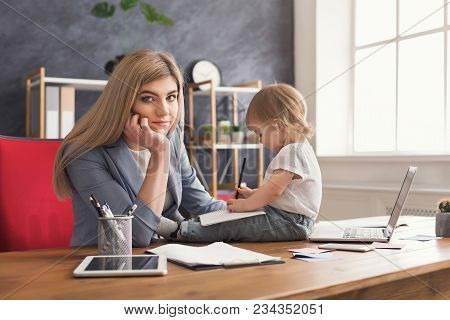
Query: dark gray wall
[[251, 39]]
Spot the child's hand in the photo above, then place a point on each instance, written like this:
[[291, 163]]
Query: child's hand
[[245, 192], [237, 205]]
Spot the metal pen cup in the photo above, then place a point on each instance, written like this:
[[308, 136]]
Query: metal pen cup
[[115, 235]]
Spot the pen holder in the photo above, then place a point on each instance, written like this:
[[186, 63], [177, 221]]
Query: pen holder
[[115, 235], [443, 224]]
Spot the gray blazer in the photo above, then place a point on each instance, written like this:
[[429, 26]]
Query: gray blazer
[[111, 174]]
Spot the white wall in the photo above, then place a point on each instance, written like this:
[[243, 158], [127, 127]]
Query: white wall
[[353, 186], [305, 55]]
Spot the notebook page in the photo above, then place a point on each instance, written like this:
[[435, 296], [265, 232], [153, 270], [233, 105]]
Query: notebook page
[[217, 253], [220, 216]]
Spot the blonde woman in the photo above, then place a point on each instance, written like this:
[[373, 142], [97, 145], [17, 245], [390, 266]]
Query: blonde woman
[[292, 190], [128, 149]]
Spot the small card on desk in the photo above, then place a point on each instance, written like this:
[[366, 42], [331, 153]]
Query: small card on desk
[[422, 237], [314, 257], [309, 250], [388, 245]]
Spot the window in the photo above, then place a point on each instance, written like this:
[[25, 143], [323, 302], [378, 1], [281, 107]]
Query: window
[[401, 77]]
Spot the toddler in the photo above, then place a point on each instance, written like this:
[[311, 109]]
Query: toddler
[[292, 188]]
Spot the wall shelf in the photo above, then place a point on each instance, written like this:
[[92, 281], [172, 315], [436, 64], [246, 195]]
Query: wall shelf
[[227, 91], [50, 103], [192, 147], [226, 146], [79, 84]]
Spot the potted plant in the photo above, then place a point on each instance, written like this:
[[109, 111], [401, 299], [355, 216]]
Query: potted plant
[[205, 136], [443, 219], [105, 10], [224, 135], [444, 205], [237, 135]]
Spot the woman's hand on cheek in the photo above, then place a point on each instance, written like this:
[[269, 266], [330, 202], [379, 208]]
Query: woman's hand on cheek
[[132, 130], [152, 140]]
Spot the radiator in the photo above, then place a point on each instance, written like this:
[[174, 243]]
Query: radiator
[[420, 212]]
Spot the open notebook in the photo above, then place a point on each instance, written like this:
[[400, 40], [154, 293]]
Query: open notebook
[[215, 255], [220, 216]]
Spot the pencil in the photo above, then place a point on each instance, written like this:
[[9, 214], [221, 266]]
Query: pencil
[[240, 176]]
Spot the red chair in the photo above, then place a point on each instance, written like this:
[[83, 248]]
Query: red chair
[[31, 217]]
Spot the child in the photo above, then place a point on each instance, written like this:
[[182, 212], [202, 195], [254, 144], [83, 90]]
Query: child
[[292, 189]]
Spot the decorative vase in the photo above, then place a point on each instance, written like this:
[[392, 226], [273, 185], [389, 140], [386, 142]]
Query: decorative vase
[[443, 224], [224, 132], [237, 137]]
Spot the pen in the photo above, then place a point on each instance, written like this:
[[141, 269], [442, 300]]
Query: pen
[[107, 210], [240, 176], [96, 205], [130, 212]]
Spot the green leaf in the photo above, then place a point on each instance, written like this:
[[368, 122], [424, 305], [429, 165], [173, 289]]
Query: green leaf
[[165, 20], [154, 17], [149, 12], [128, 4], [103, 10]]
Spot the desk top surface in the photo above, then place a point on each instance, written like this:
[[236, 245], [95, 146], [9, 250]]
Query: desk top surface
[[47, 273]]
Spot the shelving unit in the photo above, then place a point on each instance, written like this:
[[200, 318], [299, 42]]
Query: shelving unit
[[213, 92], [38, 79]]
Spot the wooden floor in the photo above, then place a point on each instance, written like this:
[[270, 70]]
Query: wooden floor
[[418, 271]]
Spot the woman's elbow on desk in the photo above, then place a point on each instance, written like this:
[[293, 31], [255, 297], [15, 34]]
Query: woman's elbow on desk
[[141, 242]]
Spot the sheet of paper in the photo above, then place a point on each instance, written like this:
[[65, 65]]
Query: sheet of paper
[[381, 245], [309, 250], [220, 216], [421, 237]]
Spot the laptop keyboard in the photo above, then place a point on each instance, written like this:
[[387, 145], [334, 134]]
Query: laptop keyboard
[[364, 233]]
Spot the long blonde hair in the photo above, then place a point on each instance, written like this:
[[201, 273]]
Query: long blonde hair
[[280, 103], [104, 123]]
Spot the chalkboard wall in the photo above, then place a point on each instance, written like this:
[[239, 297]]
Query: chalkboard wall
[[248, 40]]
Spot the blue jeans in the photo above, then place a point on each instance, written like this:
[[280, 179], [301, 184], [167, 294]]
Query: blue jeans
[[275, 225]]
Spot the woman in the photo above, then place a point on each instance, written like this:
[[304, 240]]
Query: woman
[[128, 149]]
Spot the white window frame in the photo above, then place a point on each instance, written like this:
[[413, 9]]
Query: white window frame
[[396, 40]]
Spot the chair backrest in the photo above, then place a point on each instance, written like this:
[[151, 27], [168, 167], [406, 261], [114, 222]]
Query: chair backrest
[[31, 217]]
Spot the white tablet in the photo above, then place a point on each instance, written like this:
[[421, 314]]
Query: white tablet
[[121, 266]]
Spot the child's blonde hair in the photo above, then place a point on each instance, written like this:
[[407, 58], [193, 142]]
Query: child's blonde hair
[[283, 104]]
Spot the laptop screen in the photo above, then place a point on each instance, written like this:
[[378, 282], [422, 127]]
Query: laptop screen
[[401, 199]]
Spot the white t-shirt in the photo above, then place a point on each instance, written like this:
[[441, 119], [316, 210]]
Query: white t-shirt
[[142, 159], [303, 195]]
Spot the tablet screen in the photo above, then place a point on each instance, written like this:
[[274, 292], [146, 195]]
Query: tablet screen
[[123, 263]]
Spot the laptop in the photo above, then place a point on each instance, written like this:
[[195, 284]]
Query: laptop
[[357, 234]]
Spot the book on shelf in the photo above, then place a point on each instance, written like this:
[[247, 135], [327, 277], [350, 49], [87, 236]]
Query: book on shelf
[[34, 112], [58, 112], [67, 107], [51, 112]]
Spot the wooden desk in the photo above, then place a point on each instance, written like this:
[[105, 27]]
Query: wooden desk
[[419, 271]]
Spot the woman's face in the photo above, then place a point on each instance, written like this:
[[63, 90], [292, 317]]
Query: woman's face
[[158, 102]]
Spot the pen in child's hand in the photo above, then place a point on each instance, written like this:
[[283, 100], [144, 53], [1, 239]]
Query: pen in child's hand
[[240, 177]]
